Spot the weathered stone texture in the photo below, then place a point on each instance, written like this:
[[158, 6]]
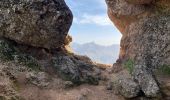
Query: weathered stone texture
[[145, 26], [39, 23]]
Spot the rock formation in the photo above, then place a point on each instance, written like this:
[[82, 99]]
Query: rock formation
[[39, 23], [35, 33], [145, 26], [34, 37]]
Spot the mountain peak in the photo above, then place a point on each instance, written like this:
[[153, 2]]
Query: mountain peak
[[98, 53]]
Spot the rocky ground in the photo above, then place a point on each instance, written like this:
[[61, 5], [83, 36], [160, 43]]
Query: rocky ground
[[18, 82], [36, 64]]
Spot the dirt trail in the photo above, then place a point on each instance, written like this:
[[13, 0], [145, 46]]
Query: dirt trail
[[55, 90]]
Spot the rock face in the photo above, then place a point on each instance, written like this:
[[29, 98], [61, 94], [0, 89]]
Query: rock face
[[145, 26], [77, 70], [39, 23], [146, 81], [34, 33]]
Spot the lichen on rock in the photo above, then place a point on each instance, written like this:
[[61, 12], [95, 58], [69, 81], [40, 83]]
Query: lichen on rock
[[144, 25], [39, 23], [33, 27], [10, 52], [76, 70]]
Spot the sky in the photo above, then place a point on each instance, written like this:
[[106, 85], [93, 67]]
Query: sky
[[91, 23]]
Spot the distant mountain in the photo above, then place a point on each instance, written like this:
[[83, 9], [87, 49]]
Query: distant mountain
[[98, 53]]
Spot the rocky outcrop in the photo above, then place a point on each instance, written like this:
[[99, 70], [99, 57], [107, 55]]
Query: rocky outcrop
[[126, 87], [39, 23], [35, 33], [144, 25], [75, 69], [146, 81], [123, 84], [137, 20]]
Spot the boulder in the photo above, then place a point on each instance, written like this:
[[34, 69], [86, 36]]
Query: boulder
[[122, 84], [146, 81], [126, 87], [76, 70], [39, 23]]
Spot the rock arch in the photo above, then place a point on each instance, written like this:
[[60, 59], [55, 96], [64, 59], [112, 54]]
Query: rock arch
[[43, 24]]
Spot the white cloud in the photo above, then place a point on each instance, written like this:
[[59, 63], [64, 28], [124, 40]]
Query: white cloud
[[102, 2], [101, 20]]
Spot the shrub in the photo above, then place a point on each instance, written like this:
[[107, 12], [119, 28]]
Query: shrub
[[129, 65], [164, 69]]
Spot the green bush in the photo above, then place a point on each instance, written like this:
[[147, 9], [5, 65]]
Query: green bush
[[164, 69], [129, 65]]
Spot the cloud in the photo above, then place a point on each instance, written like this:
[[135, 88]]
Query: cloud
[[101, 20], [102, 2]]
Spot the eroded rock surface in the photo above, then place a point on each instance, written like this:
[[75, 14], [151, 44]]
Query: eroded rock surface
[[40, 79], [73, 68], [126, 87], [144, 25], [35, 33], [140, 24], [39, 23], [146, 81]]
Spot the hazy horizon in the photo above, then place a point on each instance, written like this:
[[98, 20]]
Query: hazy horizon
[[98, 53], [95, 43]]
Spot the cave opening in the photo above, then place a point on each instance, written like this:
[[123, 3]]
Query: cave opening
[[94, 35]]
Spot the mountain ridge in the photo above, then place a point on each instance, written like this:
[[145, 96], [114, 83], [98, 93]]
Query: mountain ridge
[[98, 53]]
